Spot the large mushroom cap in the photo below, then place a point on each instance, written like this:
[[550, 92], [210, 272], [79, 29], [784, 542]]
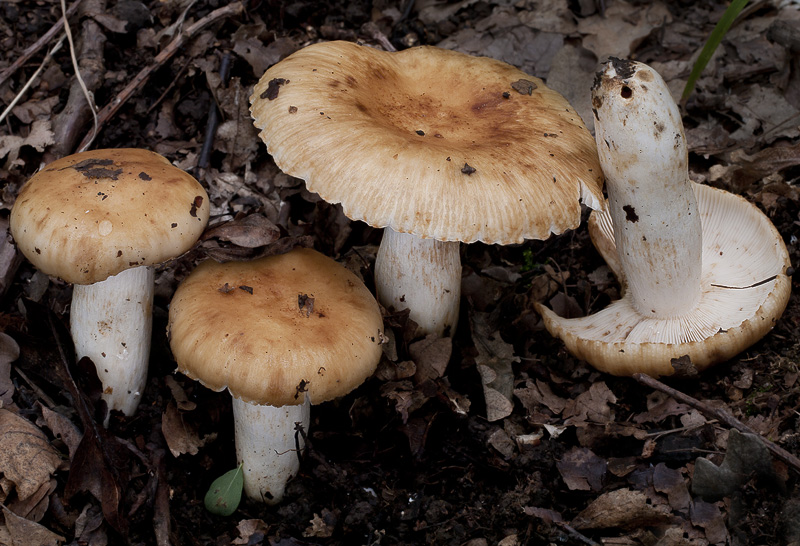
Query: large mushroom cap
[[429, 141], [271, 329], [91, 215], [744, 290]]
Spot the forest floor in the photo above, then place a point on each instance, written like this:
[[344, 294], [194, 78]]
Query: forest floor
[[416, 455]]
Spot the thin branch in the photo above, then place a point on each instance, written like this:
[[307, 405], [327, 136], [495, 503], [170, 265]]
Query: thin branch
[[110, 109], [720, 414], [39, 44]]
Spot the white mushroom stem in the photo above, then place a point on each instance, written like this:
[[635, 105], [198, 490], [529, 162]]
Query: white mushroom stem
[[111, 323], [643, 153], [268, 445], [422, 275]]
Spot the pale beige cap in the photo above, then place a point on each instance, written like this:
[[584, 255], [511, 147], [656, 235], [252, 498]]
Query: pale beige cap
[[429, 141], [271, 329], [745, 289], [91, 215]]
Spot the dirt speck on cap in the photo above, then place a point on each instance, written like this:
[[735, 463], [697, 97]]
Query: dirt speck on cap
[[273, 87]]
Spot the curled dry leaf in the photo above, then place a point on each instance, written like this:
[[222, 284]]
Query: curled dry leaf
[[181, 436], [26, 458], [251, 231], [623, 508]]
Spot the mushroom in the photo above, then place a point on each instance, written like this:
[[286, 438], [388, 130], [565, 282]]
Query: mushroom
[[280, 333], [437, 147], [101, 219], [703, 271]]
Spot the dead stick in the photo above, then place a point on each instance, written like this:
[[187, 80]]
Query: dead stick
[[110, 109], [719, 414], [32, 49]]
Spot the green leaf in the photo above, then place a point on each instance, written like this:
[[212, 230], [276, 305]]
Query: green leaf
[[225, 493], [725, 22]]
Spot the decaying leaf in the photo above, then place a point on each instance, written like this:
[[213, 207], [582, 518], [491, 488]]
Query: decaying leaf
[[9, 352], [26, 457], [582, 470], [494, 362], [251, 531], [180, 435], [747, 456], [24, 532], [431, 356], [623, 508], [591, 406]]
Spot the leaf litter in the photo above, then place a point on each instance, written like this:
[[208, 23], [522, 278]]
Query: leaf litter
[[494, 436]]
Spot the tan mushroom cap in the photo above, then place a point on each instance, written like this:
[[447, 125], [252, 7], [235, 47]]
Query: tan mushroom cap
[[91, 215], [429, 141], [242, 325], [744, 291]]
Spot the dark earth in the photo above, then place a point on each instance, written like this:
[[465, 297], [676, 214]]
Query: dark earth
[[422, 452]]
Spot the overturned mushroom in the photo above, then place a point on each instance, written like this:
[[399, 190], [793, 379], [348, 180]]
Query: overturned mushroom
[[437, 147], [704, 272]]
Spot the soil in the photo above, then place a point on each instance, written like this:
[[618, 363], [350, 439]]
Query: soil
[[422, 452]]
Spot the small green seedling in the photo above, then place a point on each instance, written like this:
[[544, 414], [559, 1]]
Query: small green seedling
[[225, 493], [733, 10]]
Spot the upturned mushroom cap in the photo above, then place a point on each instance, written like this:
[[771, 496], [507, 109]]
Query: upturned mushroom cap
[[429, 141], [274, 328], [91, 215], [744, 290]]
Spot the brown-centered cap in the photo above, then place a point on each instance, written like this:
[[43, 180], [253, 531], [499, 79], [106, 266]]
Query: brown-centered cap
[[429, 141], [744, 290], [274, 328], [91, 215]]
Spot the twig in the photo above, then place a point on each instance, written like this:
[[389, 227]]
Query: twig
[[213, 118], [86, 93], [720, 414], [110, 109], [31, 50], [572, 532], [32, 79]]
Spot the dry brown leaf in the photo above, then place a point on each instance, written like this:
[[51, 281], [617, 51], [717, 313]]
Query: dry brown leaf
[[62, 427], [622, 508], [582, 470], [431, 356], [710, 518], [181, 437], [622, 27], [591, 406], [27, 458], [251, 531], [322, 525], [39, 137], [24, 532], [34, 507], [672, 482], [9, 352], [251, 231]]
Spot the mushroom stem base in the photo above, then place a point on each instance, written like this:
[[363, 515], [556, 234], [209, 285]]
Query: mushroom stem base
[[422, 275], [269, 445], [111, 322]]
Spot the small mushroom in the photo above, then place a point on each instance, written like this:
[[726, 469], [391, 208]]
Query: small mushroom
[[433, 145], [101, 219], [704, 272], [305, 330]]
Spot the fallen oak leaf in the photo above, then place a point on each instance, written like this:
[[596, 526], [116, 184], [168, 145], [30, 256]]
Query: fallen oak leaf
[[27, 458]]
